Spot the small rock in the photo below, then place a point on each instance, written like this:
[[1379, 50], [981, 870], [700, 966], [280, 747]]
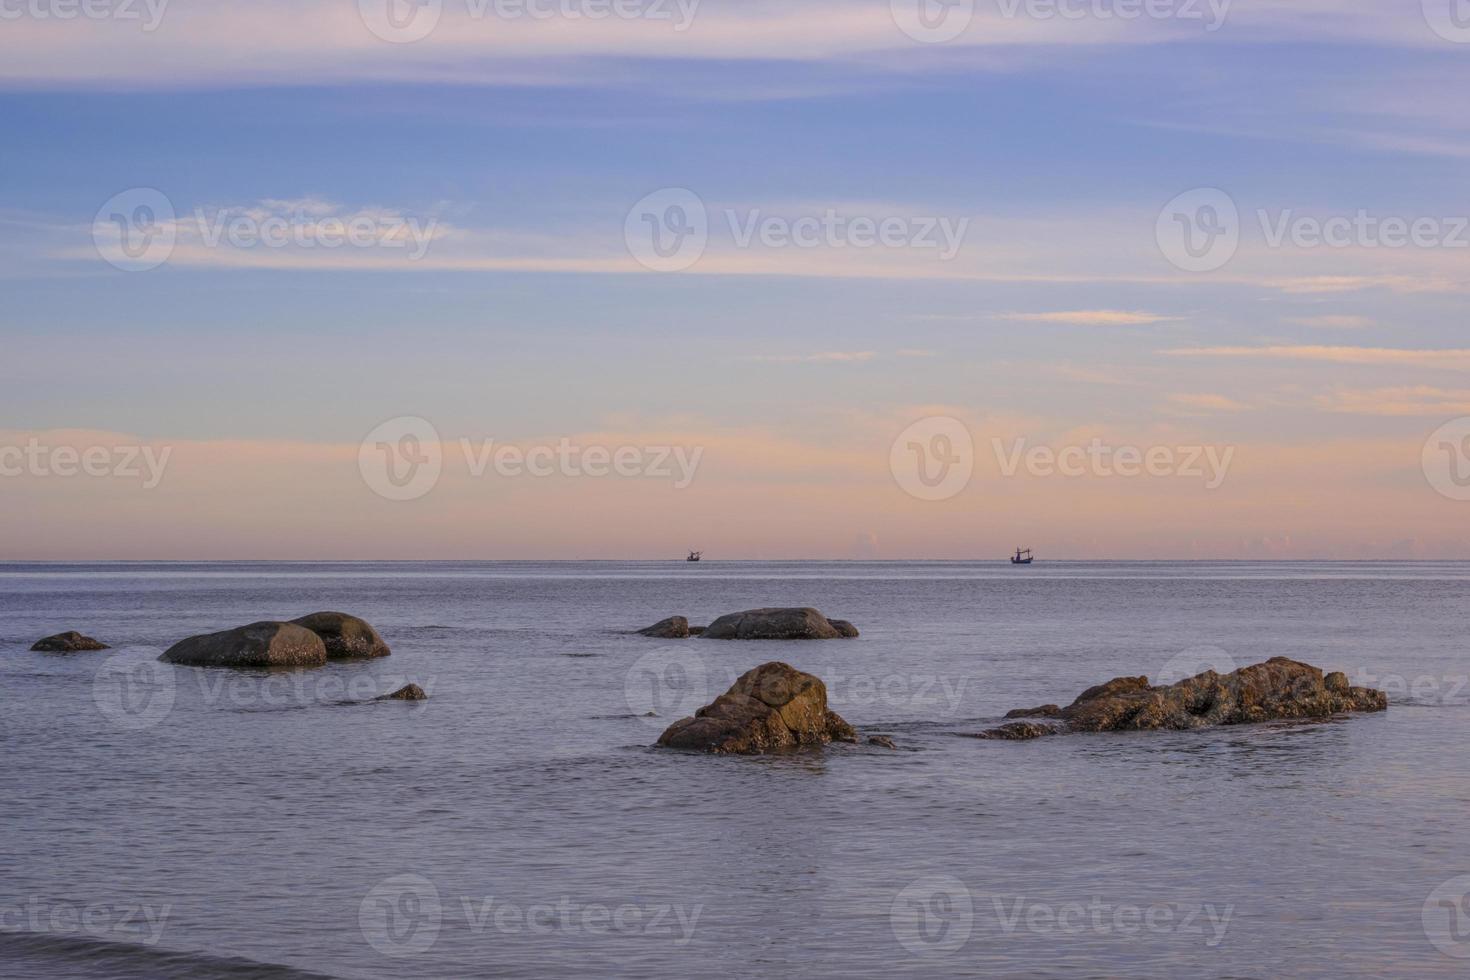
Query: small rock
[[1018, 731], [844, 628], [1045, 711], [408, 692], [673, 628], [69, 642], [881, 740]]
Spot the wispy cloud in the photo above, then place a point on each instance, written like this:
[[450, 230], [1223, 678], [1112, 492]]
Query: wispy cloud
[[1204, 404], [1417, 400], [1332, 321], [820, 357], [1090, 318], [1453, 359]]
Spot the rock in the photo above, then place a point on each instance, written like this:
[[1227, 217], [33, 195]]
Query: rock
[[697, 630], [69, 642], [770, 708], [1018, 731], [344, 636], [257, 645], [774, 624], [1045, 711], [882, 741], [408, 692], [673, 628], [1277, 689], [843, 627]]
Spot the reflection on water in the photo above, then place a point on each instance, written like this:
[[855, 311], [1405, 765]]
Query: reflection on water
[[265, 810]]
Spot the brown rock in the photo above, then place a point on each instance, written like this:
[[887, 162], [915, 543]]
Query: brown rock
[[1277, 689], [882, 741], [69, 642], [775, 624], [344, 636], [1044, 711], [771, 708], [673, 628], [1018, 731], [409, 692], [844, 628], [257, 645]]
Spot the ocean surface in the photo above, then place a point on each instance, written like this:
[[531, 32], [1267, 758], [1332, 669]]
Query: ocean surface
[[160, 821]]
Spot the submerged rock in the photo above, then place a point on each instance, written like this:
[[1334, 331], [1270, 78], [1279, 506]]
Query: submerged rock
[[1018, 731], [882, 741], [257, 645], [673, 628], [344, 636], [776, 624], [1045, 711], [408, 692], [69, 642], [770, 708], [1277, 689]]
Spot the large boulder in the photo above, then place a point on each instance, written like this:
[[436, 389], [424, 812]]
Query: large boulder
[[256, 645], [772, 708], [1277, 689], [345, 637], [673, 628], [69, 642], [776, 624]]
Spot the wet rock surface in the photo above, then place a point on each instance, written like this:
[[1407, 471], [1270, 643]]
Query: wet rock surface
[[345, 637], [264, 644], [673, 628], [790, 623], [69, 642], [771, 708], [1278, 689]]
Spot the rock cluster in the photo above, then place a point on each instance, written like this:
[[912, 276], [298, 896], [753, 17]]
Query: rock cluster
[[306, 642], [1277, 689]]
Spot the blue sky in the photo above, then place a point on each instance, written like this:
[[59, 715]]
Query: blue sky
[[527, 143]]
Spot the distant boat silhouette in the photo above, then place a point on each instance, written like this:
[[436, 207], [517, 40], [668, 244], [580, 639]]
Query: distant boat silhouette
[[695, 556], [1021, 557]]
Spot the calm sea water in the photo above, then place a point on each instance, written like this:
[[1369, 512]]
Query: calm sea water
[[165, 821]]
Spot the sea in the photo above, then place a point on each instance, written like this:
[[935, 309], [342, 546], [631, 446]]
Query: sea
[[166, 821]]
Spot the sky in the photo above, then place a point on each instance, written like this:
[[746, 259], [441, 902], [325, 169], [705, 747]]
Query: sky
[[829, 279]]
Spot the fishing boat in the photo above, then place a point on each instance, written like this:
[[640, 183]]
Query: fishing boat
[[695, 556], [1021, 557]]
